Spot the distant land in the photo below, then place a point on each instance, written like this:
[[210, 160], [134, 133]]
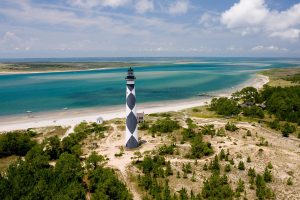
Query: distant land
[[24, 65]]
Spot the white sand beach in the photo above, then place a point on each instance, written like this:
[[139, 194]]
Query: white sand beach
[[72, 117]]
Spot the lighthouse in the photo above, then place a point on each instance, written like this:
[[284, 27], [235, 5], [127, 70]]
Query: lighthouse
[[131, 135]]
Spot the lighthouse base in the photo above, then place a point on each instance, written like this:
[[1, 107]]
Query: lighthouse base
[[132, 143]]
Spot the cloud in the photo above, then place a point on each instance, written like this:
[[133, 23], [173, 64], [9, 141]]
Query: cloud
[[253, 16], [179, 7], [88, 4], [267, 48], [35, 15], [246, 12], [143, 6], [233, 48], [11, 41], [210, 20], [288, 34]]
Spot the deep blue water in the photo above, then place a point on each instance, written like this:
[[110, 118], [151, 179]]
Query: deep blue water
[[166, 81]]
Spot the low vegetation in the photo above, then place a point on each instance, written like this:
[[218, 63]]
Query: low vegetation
[[16, 143], [165, 125]]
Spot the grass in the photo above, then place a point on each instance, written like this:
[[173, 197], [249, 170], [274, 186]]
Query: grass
[[5, 162], [49, 132], [202, 112], [278, 77]]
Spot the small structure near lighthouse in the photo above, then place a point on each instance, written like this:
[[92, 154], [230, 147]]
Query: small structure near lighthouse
[[131, 137]]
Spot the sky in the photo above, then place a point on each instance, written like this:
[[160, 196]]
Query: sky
[[121, 28]]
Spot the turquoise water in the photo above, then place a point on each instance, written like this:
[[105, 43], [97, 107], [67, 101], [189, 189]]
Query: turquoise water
[[166, 81]]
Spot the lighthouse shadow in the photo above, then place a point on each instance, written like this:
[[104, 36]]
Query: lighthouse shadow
[[141, 142]]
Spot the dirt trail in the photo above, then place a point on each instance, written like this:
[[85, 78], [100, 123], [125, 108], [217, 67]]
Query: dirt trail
[[111, 146]]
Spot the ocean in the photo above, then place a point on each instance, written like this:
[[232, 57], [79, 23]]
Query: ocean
[[167, 79]]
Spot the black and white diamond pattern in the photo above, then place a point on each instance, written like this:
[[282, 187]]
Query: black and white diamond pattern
[[131, 120]]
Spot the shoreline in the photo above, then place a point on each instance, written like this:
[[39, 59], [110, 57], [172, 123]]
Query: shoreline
[[75, 116]]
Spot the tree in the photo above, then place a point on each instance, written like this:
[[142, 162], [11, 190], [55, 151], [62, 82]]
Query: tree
[[217, 188], [68, 168], [215, 166], [247, 94], [241, 165], [200, 148], [15, 143], [52, 147], [183, 194], [267, 175], [283, 102], [222, 154], [240, 187], [251, 172], [227, 168], [248, 159], [104, 184], [94, 161], [262, 191], [224, 106], [253, 111]]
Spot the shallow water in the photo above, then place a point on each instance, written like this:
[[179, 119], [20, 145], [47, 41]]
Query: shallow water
[[167, 81]]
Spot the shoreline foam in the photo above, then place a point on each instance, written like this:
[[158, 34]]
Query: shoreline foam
[[73, 117]]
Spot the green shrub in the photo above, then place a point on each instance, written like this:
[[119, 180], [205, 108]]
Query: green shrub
[[15, 143], [251, 172], [283, 102], [267, 175], [253, 111], [241, 165], [262, 191], [166, 150], [200, 148], [240, 187], [287, 128], [227, 168], [270, 166], [275, 124], [222, 154], [231, 127], [221, 132], [224, 106], [208, 129], [217, 186], [165, 125], [214, 165], [144, 125], [205, 167], [289, 181]]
